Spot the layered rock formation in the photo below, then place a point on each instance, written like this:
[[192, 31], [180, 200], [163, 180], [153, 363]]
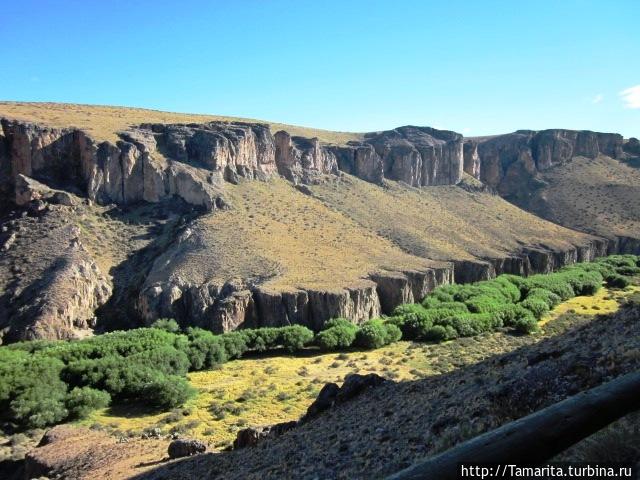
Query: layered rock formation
[[509, 162], [531, 261], [197, 162], [155, 161]]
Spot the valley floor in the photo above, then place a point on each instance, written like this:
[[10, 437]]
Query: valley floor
[[464, 378]]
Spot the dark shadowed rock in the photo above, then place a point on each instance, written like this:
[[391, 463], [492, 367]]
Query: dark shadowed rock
[[632, 146], [330, 395], [325, 400], [185, 448], [249, 437]]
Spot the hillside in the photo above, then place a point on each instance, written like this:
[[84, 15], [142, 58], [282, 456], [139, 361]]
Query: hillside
[[579, 179], [104, 122], [242, 227]]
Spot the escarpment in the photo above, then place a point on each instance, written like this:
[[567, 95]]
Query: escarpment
[[193, 161], [509, 162]]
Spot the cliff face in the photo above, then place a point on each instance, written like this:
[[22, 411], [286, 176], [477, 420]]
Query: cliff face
[[509, 162], [156, 161]]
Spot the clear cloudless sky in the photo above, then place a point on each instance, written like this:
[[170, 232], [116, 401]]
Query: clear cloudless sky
[[477, 67]]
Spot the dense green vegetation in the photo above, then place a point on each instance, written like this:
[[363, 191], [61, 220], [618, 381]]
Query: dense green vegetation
[[43, 382]]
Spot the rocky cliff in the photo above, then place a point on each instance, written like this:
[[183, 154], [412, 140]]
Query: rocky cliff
[[510, 162], [192, 161]]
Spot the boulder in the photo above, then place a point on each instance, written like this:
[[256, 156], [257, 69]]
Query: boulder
[[185, 448], [249, 437], [330, 395]]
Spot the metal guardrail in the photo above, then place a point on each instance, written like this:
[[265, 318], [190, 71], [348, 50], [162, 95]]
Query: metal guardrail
[[538, 437]]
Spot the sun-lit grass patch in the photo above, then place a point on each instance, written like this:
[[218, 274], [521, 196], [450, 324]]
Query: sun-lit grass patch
[[603, 302]]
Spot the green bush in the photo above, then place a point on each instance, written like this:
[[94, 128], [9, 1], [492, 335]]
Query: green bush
[[205, 349], [537, 306], [338, 337], [167, 324], [375, 334], [618, 281], [437, 333], [167, 392], [547, 296], [525, 324], [81, 401], [295, 337], [413, 327]]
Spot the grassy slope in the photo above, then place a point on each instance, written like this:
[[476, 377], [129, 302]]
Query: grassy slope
[[350, 228], [274, 230], [592, 195], [102, 122], [443, 223], [276, 388]]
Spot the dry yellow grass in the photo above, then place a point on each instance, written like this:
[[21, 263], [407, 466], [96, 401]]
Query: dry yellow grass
[[443, 223], [592, 195], [102, 122], [274, 231], [605, 301]]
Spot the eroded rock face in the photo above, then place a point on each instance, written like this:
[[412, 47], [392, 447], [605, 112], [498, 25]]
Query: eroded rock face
[[510, 162], [135, 168], [301, 159], [62, 303], [192, 161], [471, 158], [418, 156]]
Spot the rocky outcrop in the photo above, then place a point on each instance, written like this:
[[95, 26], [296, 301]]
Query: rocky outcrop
[[471, 158], [510, 162], [62, 303], [418, 156], [532, 260], [222, 307], [632, 147], [331, 395], [192, 161], [302, 159], [135, 168], [250, 437]]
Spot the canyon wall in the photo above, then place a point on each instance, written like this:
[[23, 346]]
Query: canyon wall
[[509, 163], [225, 306], [154, 161]]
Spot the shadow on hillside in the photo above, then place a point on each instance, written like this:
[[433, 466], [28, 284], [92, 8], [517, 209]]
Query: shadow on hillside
[[497, 390], [161, 222]]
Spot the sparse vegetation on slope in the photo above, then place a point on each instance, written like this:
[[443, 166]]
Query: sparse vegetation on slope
[[103, 122], [591, 195], [442, 223]]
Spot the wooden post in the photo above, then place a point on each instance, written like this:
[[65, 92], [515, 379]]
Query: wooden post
[[537, 437]]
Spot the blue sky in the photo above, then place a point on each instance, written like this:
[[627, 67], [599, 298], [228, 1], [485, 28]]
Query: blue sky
[[475, 67]]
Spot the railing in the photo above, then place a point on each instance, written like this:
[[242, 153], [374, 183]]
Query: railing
[[538, 437]]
